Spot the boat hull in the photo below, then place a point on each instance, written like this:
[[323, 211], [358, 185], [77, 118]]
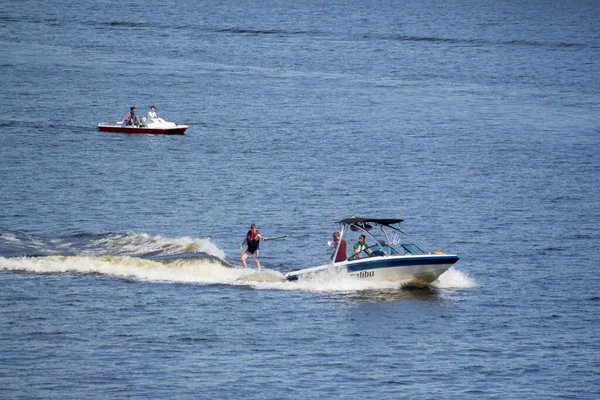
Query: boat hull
[[413, 270], [178, 130]]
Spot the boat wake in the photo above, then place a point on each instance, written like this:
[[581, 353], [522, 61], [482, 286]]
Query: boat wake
[[188, 270], [130, 244], [208, 271], [143, 257]]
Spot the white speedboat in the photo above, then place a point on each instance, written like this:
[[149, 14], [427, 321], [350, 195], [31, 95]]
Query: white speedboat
[[156, 126], [391, 255]]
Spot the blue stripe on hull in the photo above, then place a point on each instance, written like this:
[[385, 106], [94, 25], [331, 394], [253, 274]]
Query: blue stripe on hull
[[398, 262], [384, 263]]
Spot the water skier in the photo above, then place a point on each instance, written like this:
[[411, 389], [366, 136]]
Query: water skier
[[252, 239]]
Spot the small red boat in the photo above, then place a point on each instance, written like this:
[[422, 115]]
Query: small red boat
[[154, 126]]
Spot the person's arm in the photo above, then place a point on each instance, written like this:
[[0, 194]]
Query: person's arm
[[243, 244]]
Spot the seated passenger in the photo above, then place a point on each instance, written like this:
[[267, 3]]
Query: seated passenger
[[152, 113], [131, 119], [360, 246]]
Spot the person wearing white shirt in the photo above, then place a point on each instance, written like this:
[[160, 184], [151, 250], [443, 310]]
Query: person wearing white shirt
[[152, 112]]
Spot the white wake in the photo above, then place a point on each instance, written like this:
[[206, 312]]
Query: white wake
[[207, 271]]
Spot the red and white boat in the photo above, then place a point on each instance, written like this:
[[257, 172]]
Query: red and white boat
[[155, 126]]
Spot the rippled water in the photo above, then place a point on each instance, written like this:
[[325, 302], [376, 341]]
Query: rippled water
[[477, 123]]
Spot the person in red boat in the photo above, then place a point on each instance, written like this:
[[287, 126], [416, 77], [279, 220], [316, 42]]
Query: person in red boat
[[252, 240], [152, 113], [131, 119]]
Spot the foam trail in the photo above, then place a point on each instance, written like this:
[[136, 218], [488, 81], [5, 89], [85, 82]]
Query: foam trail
[[203, 271], [193, 271], [130, 243], [142, 243], [208, 271]]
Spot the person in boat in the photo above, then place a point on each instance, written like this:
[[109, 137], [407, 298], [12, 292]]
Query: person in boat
[[152, 113], [361, 246], [341, 254], [252, 240], [131, 119]]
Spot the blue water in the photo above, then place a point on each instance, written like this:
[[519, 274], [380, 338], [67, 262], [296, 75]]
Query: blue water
[[476, 122]]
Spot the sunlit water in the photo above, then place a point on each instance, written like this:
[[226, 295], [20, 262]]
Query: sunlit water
[[476, 122]]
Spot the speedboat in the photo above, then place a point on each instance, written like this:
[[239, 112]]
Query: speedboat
[[156, 126], [391, 256]]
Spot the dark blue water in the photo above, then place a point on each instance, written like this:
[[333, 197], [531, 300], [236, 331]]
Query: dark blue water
[[476, 122]]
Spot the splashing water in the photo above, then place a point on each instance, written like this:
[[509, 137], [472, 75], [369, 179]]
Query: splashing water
[[130, 243], [209, 271], [454, 279], [144, 244]]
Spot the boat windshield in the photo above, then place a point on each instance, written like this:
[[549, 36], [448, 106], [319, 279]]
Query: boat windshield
[[381, 240], [412, 248]]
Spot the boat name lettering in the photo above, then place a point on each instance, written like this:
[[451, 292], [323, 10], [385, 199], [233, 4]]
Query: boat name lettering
[[365, 274]]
